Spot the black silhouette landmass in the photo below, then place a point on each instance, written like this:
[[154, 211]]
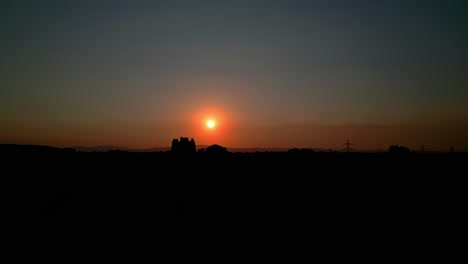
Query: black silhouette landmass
[[211, 204]]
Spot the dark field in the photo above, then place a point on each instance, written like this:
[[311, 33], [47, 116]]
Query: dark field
[[59, 204]]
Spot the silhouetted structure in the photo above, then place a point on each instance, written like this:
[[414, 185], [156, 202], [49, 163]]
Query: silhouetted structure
[[183, 146], [348, 149], [395, 149]]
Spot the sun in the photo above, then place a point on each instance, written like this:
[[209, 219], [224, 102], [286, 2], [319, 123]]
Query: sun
[[210, 124]]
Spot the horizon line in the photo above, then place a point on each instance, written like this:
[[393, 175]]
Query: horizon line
[[252, 149]]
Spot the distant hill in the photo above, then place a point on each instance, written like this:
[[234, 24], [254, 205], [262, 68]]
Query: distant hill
[[29, 148], [106, 148], [268, 149]]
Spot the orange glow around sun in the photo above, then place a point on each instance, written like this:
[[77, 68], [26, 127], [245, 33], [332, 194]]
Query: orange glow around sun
[[210, 126]]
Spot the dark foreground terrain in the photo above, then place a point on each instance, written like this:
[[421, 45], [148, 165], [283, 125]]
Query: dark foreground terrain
[[59, 204]]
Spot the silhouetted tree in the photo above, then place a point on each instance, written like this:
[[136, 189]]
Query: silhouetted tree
[[294, 150], [68, 150], [184, 145], [192, 146], [216, 149], [202, 150], [175, 145], [300, 151], [395, 149]]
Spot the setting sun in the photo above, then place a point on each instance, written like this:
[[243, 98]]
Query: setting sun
[[210, 124]]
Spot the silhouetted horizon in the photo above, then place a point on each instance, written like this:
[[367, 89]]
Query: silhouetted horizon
[[106, 148], [207, 204]]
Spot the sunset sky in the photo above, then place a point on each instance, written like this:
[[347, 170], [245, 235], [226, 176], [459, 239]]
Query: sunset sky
[[269, 73]]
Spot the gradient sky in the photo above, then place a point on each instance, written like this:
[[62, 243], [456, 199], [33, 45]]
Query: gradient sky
[[271, 73]]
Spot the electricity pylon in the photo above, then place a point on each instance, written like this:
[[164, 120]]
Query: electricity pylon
[[348, 149]]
